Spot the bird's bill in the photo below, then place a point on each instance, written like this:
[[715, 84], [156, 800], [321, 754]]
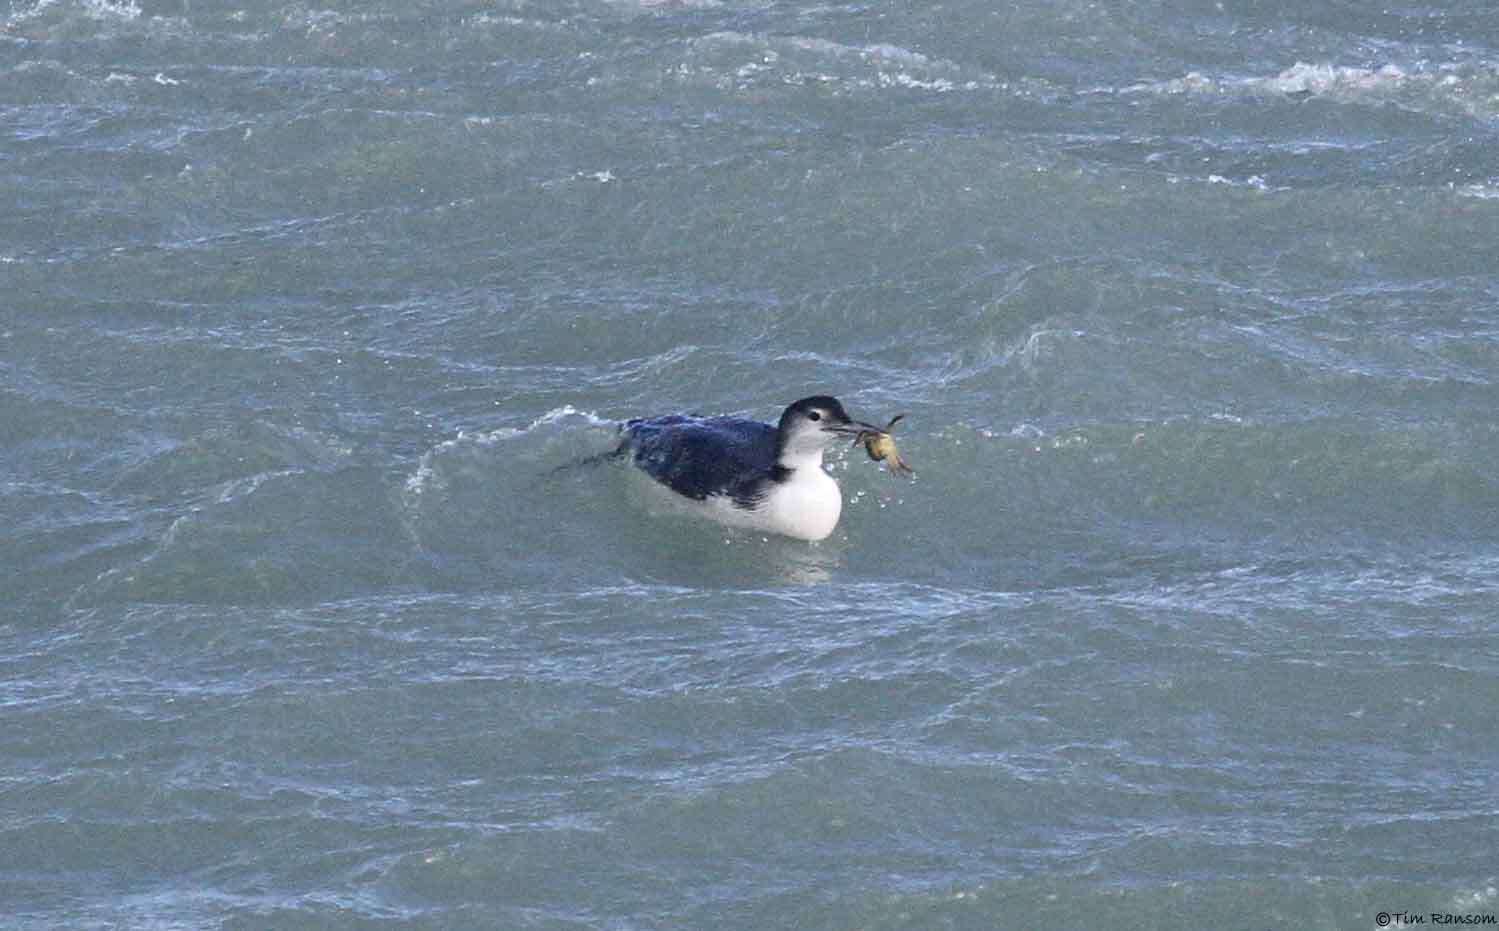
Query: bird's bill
[[852, 428]]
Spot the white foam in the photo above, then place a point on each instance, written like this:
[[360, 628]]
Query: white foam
[[1303, 78], [1477, 899], [651, 4], [95, 9], [240, 487], [426, 478], [1257, 182], [565, 411], [490, 20], [106, 9], [1483, 190], [899, 55], [1300, 78], [1463, 88], [800, 61], [901, 79]]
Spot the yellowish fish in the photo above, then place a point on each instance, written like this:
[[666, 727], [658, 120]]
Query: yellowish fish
[[880, 446]]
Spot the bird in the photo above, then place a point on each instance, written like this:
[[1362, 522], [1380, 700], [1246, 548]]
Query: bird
[[746, 473]]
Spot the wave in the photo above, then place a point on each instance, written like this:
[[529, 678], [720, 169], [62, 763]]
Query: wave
[[428, 474], [740, 61], [103, 10], [1470, 89]]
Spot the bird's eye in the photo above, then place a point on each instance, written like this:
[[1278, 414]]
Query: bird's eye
[[813, 415]]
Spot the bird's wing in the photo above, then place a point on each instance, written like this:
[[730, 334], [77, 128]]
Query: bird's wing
[[701, 456]]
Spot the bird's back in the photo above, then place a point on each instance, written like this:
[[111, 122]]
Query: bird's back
[[702, 456]]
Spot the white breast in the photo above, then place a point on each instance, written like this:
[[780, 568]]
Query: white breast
[[806, 507]]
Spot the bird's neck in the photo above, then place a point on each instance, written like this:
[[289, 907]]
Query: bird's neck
[[793, 457]]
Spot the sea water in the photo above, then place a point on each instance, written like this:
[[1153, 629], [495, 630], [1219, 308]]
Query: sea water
[[1187, 619]]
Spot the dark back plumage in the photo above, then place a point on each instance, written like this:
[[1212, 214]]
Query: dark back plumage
[[701, 456]]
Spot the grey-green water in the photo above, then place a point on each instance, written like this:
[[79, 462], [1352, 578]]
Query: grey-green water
[[1187, 620]]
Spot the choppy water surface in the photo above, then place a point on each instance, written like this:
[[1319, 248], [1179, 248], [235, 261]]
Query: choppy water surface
[[1187, 619]]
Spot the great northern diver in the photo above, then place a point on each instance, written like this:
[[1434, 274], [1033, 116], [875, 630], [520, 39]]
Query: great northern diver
[[746, 473]]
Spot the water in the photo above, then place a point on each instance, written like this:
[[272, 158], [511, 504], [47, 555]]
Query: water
[[1187, 619]]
